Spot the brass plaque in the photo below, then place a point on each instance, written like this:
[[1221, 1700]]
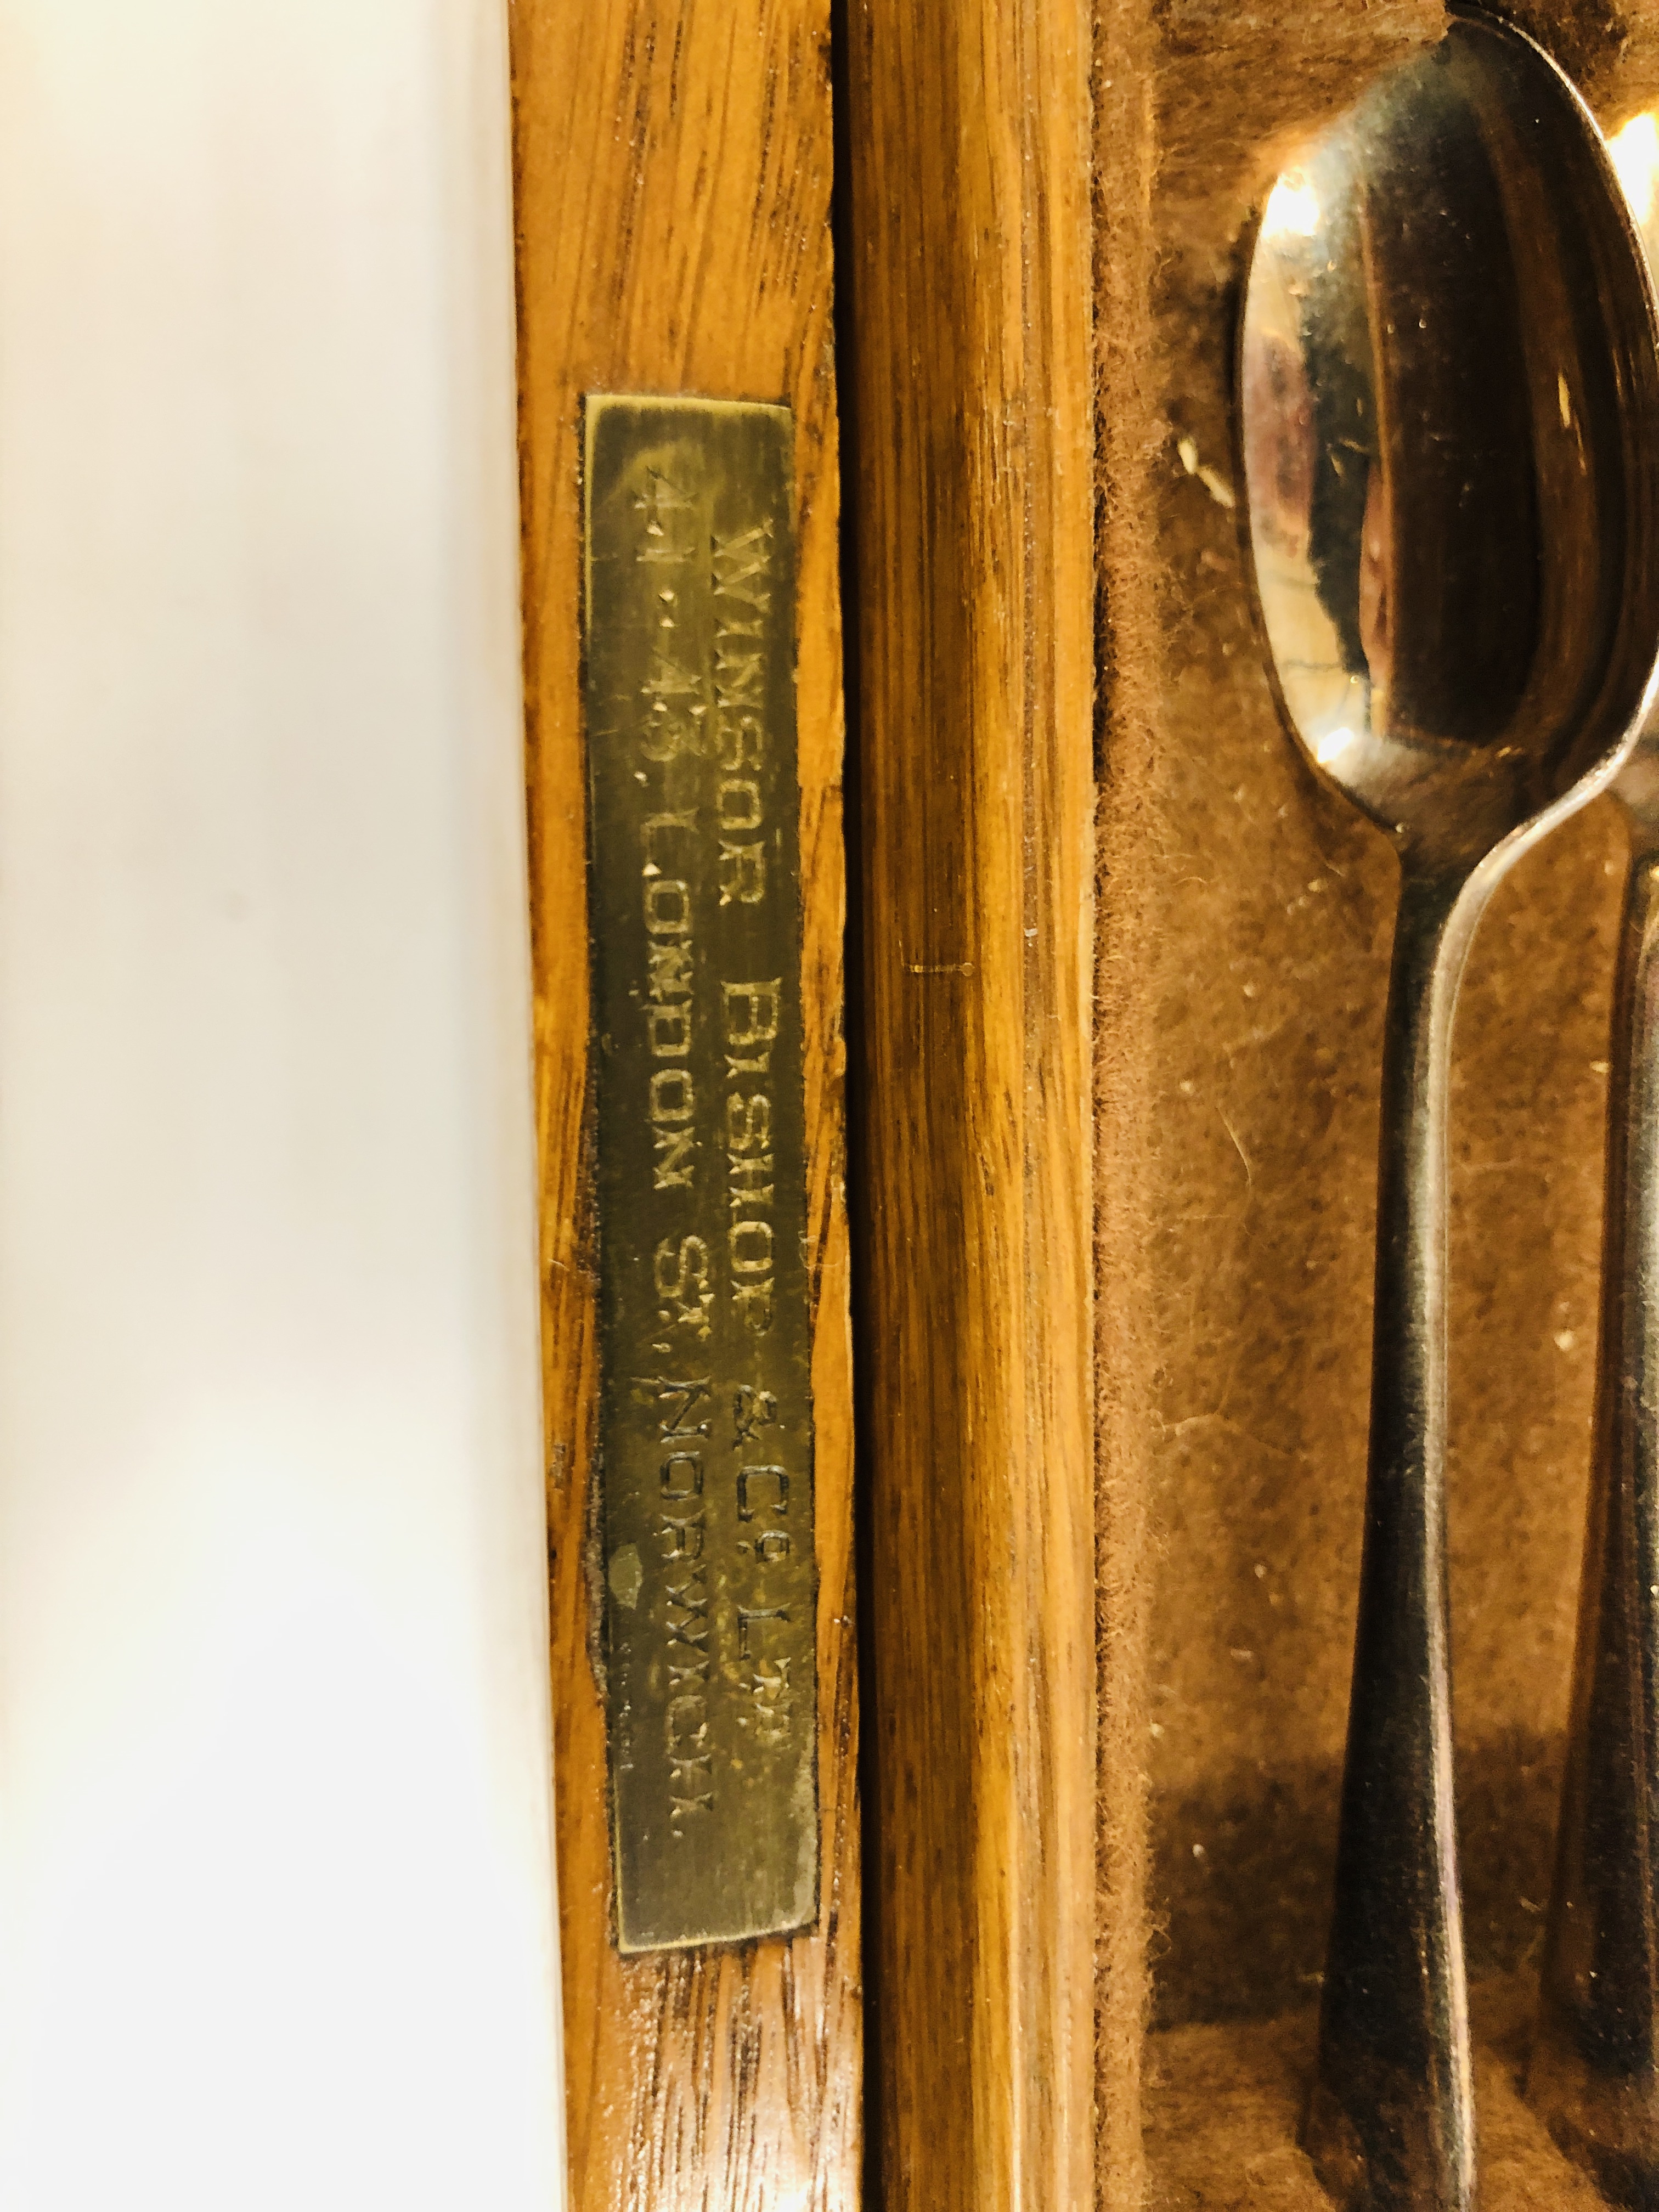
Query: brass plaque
[[705, 1325]]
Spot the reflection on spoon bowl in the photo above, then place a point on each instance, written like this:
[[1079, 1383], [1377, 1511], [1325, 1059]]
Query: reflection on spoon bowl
[[1444, 369]]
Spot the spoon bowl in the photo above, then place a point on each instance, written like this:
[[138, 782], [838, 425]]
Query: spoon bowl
[[1449, 388], [1448, 377]]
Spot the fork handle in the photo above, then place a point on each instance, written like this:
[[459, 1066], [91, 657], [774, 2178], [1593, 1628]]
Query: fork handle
[[1593, 2072]]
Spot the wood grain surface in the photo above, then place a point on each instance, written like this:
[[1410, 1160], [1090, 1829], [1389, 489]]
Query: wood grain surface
[[673, 171], [965, 288]]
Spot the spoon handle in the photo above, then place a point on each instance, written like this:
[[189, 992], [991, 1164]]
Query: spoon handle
[[1593, 2072], [1391, 2123]]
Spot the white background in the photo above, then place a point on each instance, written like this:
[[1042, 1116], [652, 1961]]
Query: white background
[[276, 1909]]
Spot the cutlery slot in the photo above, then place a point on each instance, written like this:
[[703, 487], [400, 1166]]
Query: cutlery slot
[[1254, 910]]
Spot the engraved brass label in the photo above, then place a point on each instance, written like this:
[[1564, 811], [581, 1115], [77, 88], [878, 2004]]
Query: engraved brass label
[[705, 1330]]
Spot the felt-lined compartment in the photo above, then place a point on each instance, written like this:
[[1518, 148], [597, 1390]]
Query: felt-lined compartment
[[1246, 917]]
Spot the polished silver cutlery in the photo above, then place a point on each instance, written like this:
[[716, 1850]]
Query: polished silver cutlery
[[1593, 2072], [1448, 398]]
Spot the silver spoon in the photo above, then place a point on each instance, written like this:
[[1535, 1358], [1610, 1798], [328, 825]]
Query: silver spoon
[[1594, 2067], [1450, 412]]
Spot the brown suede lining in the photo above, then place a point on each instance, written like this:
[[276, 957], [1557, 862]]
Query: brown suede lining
[[1223, 2103]]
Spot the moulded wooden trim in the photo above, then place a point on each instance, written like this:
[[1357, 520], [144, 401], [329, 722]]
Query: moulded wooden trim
[[966, 287]]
